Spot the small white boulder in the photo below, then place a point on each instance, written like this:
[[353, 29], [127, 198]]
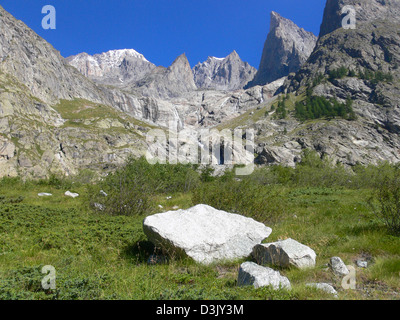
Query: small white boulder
[[286, 253], [338, 267], [44, 194], [324, 287], [71, 194], [252, 274]]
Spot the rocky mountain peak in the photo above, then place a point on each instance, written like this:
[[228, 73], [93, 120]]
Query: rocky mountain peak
[[366, 11], [181, 63], [277, 20], [166, 83], [113, 67], [286, 49], [227, 74], [233, 55]]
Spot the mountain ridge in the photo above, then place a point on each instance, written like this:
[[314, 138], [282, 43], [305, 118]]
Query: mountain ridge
[[53, 118]]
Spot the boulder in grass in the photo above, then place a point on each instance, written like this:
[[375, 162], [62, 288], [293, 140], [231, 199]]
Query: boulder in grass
[[287, 253], [44, 194], [252, 274], [324, 287], [205, 234], [362, 264], [338, 267], [71, 194]]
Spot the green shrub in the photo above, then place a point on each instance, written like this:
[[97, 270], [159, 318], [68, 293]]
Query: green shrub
[[315, 107], [281, 109], [375, 77], [239, 196], [319, 78], [387, 195], [206, 174], [372, 176], [339, 73], [130, 188], [314, 171], [272, 175], [26, 284]]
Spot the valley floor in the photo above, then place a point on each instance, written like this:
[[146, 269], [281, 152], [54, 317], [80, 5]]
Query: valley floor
[[100, 256]]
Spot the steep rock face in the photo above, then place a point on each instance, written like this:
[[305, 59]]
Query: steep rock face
[[229, 74], [366, 11], [114, 67], [374, 47], [37, 65], [370, 56], [209, 108], [287, 48]]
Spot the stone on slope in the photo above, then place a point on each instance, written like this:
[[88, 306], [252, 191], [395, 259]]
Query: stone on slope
[[252, 274], [324, 287], [285, 254], [338, 267], [205, 234]]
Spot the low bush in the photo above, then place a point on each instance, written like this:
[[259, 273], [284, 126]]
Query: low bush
[[386, 202], [239, 196], [130, 188]]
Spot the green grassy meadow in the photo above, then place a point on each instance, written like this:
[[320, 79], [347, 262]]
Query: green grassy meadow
[[103, 255]]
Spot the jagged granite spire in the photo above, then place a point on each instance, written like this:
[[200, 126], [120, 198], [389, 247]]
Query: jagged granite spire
[[228, 74], [285, 51]]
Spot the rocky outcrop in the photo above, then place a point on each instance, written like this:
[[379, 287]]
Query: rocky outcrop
[[287, 253], [286, 49], [227, 74], [205, 234], [252, 274], [115, 67], [208, 108]]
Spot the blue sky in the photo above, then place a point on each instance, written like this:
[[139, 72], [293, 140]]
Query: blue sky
[[164, 29]]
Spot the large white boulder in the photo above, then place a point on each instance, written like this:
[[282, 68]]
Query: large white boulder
[[205, 234], [287, 253], [252, 274]]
